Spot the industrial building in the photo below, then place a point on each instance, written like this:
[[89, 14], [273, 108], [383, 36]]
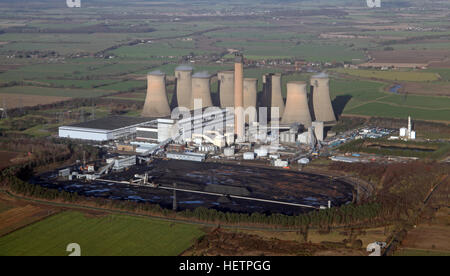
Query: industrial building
[[187, 156], [208, 126], [105, 129], [122, 162], [408, 133]]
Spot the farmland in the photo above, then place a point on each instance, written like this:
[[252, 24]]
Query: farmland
[[430, 238], [20, 100], [97, 53], [392, 75], [16, 214], [100, 235]]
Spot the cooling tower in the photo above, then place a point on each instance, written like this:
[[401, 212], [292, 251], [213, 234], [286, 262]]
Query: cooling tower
[[226, 88], [183, 75], [277, 98], [297, 110], [239, 97], [201, 89], [250, 94], [323, 110], [156, 102]]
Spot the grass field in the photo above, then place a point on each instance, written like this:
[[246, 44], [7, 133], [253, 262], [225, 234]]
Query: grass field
[[105, 235], [391, 75], [308, 51], [420, 252], [367, 98], [55, 92]]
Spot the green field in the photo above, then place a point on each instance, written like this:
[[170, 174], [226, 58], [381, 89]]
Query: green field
[[391, 75], [309, 51], [100, 236], [420, 252], [59, 92], [367, 98], [161, 49]]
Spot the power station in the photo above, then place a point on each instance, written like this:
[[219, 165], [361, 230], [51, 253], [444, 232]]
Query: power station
[[236, 117]]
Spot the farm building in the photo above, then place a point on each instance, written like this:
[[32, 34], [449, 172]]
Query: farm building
[[104, 129]]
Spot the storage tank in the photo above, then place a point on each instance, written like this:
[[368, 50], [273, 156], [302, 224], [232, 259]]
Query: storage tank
[[403, 131], [156, 102], [297, 109], [183, 75], [323, 109], [226, 88], [201, 89]]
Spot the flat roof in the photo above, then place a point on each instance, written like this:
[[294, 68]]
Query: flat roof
[[112, 122]]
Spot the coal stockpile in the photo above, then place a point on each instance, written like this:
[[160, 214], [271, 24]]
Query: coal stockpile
[[261, 183], [228, 190]]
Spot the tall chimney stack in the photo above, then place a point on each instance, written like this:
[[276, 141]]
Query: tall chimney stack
[[239, 96]]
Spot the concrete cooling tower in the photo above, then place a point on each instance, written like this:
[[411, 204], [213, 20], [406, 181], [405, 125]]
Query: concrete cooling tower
[[323, 110], [201, 89], [156, 102], [183, 75], [226, 88], [277, 98], [250, 97], [297, 110]]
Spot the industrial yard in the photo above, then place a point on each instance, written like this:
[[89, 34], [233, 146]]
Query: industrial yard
[[252, 182]]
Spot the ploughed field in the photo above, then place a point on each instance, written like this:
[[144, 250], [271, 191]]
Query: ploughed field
[[261, 183]]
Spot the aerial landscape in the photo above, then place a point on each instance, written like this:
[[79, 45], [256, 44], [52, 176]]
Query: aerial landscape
[[225, 128]]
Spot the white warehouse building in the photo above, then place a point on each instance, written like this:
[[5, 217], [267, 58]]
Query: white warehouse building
[[104, 129]]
